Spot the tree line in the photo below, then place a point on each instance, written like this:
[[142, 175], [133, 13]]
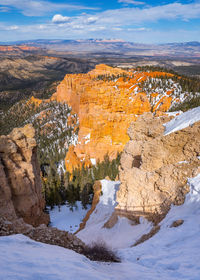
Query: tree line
[[61, 187]]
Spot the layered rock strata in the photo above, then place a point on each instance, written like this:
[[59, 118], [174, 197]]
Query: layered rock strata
[[20, 182], [155, 168], [106, 101]]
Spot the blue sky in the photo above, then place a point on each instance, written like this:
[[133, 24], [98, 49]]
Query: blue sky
[[130, 20]]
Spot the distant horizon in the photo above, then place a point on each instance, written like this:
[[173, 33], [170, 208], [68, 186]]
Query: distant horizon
[[148, 22], [111, 40]]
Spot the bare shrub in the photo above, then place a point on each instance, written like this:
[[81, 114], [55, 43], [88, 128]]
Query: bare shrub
[[100, 252]]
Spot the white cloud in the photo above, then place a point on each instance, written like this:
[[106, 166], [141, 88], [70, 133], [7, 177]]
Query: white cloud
[[91, 19], [5, 27], [140, 34], [77, 26], [130, 23], [40, 7], [97, 28], [138, 29], [135, 17], [131, 2], [4, 9], [13, 27], [60, 19], [117, 28], [130, 16]]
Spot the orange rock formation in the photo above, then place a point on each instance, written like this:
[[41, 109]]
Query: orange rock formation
[[106, 107], [17, 48], [34, 100]]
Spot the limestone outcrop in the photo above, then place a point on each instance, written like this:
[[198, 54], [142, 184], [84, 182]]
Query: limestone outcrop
[[20, 182], [155, 168], [106, 100]]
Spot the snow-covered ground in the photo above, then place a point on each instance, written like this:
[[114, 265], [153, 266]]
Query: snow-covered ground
[[171, 254], [183, 120], [65, 219], [174, 252], [123, 234]]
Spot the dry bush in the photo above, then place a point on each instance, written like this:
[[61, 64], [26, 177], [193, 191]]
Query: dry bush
[[100, 252]]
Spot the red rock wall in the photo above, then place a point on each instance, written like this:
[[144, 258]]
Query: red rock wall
[[105, 109]]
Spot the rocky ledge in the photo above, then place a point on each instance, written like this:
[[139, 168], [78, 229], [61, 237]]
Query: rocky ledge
[[155, 168], [42, 234]]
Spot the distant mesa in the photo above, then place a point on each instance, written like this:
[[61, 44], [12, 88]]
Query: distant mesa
[[13, 48], [114, 46]]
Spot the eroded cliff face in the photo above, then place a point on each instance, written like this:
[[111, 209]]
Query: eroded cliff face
[[155, 168], [20, 182], [106, 101], [21, 200]]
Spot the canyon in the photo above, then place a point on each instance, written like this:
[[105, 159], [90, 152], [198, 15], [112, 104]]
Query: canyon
[[112, 110]]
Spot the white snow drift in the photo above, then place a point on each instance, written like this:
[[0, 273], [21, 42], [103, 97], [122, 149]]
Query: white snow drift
[[183, 121], [123, 234], [172, 254]]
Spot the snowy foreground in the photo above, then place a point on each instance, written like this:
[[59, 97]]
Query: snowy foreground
[[173, 253]]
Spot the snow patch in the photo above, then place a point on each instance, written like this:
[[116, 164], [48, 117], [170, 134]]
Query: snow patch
[[182, 121], [87, 138], [174, 114], [183, 161], [65, 219], [93, 161]]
